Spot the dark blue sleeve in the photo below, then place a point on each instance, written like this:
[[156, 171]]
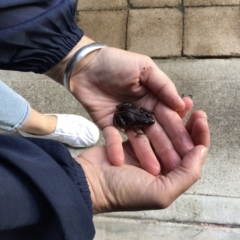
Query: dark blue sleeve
[[36, 34], [43, 192]]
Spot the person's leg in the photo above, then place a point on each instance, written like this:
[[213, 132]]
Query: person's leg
[[17, 114], [14, 109], [39, 124]]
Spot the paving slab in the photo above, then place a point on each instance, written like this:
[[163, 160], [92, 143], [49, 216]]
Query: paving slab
[[210, 2], [101, 4], [155, 32], [99, 26], [118, 229], [154, 3], [212, 31]]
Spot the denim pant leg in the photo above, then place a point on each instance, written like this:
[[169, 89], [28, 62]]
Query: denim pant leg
[[14, 109]]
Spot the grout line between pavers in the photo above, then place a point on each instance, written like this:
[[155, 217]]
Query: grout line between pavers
[[126, 33], [159, 7], [182, 6], [129, 4], [183, 27], [127, 19], [131, 7]]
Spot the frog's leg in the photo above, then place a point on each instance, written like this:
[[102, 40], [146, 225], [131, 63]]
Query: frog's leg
[[116, 125], [146, 110], [137, 130]]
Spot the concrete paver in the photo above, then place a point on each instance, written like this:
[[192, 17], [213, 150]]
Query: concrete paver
[[112, 34], [212, 31], [155, 32], [209, 2], [101, 4], [154, 3]]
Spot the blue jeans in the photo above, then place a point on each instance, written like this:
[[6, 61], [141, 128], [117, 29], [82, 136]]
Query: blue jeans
[[14, 109]]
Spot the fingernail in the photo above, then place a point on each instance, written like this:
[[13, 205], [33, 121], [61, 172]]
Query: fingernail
[[203, 153]]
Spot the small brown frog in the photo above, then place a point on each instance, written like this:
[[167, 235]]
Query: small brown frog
[[128, 116]]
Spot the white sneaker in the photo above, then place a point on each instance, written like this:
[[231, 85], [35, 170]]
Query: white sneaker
[[73, 130]]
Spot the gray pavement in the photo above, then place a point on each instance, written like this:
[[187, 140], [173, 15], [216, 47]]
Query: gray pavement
[[211, 208]]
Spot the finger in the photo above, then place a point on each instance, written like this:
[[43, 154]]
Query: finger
[[195, 115], [199, 129], [184, 176], [162, 86], [174, 128], [113, 142], [144, 152], [188, 106], [163, 147]]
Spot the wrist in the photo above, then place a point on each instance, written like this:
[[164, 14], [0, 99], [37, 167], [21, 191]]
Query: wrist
[[76, 62], [57, 72], [100, 203]]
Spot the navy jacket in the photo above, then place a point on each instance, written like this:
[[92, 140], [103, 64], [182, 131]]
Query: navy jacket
[[36, 34], [43, 192]]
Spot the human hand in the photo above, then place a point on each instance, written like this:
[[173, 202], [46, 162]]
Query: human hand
[[110, 76], [129, 187]]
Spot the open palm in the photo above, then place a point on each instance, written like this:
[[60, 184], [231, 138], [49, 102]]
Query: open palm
[[129, 187], [112, 76]]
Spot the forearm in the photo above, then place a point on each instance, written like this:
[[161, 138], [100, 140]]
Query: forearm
[[91, 160]]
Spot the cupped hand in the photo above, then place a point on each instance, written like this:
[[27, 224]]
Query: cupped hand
[[129, 187], [112, 76]]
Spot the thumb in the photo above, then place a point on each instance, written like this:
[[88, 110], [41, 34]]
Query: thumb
[[185, 175], [194, 159]]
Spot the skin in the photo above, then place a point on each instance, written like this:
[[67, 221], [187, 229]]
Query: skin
[[39, 124], [110, 76], [130, 187]]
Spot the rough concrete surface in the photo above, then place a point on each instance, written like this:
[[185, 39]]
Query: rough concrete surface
[[212, 31], [118, 229], [105, 19], [164, 28]]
